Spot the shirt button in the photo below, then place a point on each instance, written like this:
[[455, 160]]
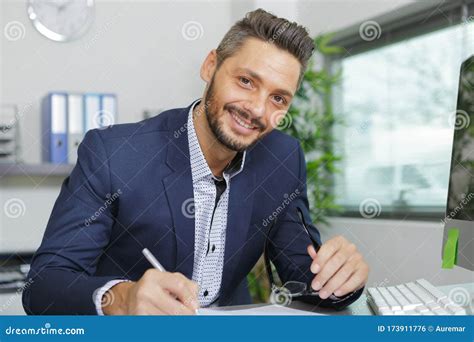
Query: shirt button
[[206, 293], [213, 248]]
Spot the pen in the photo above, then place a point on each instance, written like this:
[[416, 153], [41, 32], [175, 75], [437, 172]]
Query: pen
[[156, 264], [152, 260]]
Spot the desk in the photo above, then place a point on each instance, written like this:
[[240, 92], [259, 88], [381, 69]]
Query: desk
[[360, 307], [10, 303]]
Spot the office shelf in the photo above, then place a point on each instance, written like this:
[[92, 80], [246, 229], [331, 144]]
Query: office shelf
[[35, 170]]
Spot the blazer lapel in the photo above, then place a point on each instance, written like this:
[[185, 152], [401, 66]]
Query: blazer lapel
[[242, 189], [179, 192]]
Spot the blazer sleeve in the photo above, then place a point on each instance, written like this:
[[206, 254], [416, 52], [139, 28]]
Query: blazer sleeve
[[61, 279], [289, 241]]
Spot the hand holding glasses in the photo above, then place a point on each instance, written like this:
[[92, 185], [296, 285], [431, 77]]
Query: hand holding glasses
[[283, 295]]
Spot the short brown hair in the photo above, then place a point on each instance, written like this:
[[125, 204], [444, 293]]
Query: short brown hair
[[265, 26]]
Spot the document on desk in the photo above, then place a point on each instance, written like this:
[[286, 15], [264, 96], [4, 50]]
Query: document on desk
[[264, 310]]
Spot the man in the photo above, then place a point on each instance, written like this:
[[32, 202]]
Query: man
[[197, 186]]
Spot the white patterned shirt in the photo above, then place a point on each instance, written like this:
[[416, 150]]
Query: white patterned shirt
[[210, 216]]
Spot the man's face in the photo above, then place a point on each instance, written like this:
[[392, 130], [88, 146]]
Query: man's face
[[250, 93]]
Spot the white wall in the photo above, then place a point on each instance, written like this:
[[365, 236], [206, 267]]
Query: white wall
[[134, 49]]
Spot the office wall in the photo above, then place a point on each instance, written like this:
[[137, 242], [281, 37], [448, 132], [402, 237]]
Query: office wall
[[136, 49]]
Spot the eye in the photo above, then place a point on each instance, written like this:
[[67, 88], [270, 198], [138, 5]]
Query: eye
[[245, 81], [280, 99]]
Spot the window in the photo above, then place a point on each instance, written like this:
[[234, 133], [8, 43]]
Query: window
[[396, 102]]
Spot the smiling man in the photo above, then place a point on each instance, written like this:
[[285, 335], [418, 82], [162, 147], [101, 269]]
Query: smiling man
[[197, 186]]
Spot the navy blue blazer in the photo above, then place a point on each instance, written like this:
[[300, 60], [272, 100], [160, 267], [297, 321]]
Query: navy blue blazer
[[127, 191]]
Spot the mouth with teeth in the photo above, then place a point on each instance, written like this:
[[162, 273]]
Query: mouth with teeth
[[242, 126]]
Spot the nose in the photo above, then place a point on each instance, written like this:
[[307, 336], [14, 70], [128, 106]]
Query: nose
[[256, 106]]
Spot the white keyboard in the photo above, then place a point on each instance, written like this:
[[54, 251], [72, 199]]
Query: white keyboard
[[415, 298]]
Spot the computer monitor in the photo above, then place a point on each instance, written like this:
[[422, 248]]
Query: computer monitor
[[460, 204]]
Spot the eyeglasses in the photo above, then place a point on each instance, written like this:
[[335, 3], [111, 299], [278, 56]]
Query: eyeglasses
[[282, 295]]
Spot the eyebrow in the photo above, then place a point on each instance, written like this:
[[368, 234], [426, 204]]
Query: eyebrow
[[256, 76]]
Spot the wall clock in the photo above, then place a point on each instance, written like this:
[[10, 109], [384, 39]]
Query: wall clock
[[61, 20]]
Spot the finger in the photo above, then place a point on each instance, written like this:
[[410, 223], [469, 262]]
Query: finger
[[172, 306], [192, 286], [328, 270], [355, 282], [179, 287], [338, 279], [326, 251], [174, 283], [311, 251]]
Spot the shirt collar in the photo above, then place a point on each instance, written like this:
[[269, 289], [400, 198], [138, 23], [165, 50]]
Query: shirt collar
[[199, 167]]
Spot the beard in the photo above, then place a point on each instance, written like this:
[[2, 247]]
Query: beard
[[211, 109]]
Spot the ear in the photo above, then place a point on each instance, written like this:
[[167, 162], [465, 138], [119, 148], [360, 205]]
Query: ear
[[208, 67]]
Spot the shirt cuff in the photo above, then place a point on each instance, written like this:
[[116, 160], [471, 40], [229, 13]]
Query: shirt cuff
[[99, 294]]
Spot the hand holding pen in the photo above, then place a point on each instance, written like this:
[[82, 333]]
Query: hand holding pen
[[157, 292]]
